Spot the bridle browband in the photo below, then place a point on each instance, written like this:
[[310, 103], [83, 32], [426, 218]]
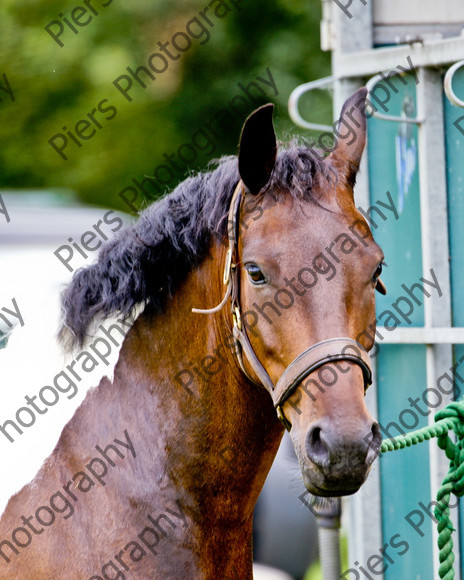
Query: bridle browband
[[331, 350]]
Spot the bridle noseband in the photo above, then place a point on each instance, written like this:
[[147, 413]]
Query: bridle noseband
[[327, 351]]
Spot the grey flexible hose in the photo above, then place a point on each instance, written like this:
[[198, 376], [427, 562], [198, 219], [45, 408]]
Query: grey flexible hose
[[329, 552], [328, 514]]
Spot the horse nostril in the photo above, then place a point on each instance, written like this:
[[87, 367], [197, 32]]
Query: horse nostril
[[374, 442], [316, 443], [316, 448]]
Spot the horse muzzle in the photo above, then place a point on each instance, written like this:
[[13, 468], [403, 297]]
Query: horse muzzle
[[335, 463]]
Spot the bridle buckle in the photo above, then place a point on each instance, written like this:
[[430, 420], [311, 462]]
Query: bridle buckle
[[227, 267], [237, 318]]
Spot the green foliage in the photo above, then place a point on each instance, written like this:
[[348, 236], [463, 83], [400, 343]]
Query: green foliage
[[56, 87]]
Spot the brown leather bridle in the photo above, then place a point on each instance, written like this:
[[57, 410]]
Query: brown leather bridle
[[311, 359]]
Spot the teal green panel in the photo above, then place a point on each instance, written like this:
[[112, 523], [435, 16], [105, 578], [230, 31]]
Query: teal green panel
[[404, 475], [401, 370], [393, 167], [454, 140]]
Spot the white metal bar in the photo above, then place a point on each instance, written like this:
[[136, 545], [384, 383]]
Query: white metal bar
[[295, 96], [427, 53], [422, 335], [435, 253]]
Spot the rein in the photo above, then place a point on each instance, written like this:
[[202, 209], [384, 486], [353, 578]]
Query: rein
[[314, 357]]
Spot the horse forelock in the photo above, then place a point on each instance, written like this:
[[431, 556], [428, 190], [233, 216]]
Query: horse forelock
[[144, 263]]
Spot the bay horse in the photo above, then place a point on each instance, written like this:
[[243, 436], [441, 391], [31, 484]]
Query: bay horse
[[157, 473]]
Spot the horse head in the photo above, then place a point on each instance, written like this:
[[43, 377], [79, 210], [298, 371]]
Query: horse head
[[305, 269]]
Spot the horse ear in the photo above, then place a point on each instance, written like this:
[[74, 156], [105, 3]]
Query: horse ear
[[351, 134], [258, 149]]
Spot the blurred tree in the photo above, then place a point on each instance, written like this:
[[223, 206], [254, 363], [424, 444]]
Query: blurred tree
[[191, 103]]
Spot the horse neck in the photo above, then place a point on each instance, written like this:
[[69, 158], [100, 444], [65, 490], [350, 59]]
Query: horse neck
[[214, 432]]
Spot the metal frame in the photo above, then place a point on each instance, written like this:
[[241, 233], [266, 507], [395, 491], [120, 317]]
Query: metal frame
[[432, 53], [354, 59], [425, 335]]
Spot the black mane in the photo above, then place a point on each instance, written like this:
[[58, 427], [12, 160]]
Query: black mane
[[144, 264]]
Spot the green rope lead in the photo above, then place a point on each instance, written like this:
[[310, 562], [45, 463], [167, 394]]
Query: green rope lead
[[451, 418]]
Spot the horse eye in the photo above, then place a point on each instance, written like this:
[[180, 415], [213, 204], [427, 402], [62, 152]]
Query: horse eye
[[378, 284], [255, 274]]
